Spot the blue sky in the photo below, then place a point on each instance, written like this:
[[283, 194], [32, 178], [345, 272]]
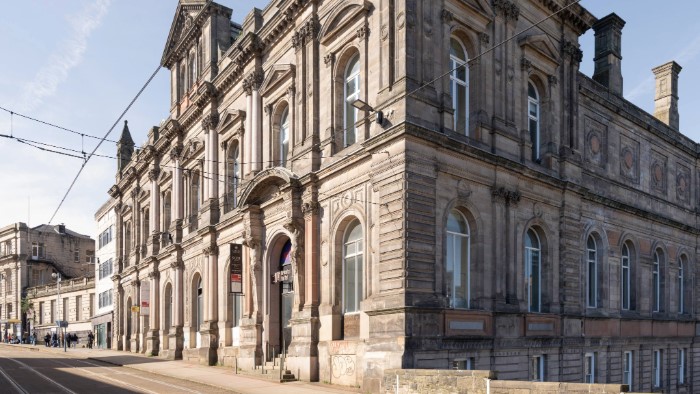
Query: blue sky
[[78, 63]]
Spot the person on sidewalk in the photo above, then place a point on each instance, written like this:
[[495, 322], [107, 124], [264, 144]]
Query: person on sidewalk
[[47, 339], [90, 339]]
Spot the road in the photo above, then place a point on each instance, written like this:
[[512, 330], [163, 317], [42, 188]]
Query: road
[[25, 372]]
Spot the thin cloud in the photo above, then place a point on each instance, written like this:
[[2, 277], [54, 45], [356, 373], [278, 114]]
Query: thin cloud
[[68, 55], [686, 55]]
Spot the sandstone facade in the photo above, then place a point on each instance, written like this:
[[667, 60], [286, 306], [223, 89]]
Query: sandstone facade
[[515, 216]]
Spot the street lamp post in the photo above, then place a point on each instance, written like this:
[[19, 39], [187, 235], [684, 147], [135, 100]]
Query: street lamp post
[[58, 300]]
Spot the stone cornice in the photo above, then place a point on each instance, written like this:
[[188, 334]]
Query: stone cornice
[[578, 17]]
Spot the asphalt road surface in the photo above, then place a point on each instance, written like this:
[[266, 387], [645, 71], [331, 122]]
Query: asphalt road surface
[[41, 372]]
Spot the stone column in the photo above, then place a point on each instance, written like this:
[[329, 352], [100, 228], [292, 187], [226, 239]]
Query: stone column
[[118, 328], [175, 336], [136, 326], [154, 212], [210, 206], [253, 135], [250, 352], [209, 330], [257, 134], [176, 202], [247, 143], [153, 334]]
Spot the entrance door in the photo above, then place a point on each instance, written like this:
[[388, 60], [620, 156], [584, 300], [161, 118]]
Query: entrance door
[[286, 294]]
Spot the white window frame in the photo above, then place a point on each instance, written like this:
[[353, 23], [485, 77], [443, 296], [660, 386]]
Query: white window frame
[[457, 83], [349, 98], [454, 267], [529, 271], [682, 366], [284, 137], [358, 254], [537, 364], [656, 283], [681, 286], [535, 135], [657, 368], [628, 368], [589, 368], [591, 273], [626, 278]]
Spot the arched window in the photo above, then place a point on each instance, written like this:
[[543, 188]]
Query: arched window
[[592, 273], [533, 116], [352, 268], [459, 86], [127, 241], [168, 306], [284, 137], [146, 224], [656, 282], [626, 275], [194, 194], [181, 78], [533, 270], [458, 261], [351, 93], [681, 284], [232, 176], [192, 72]]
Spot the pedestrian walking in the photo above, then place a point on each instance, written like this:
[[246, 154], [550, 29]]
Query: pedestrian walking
[[90, 339]]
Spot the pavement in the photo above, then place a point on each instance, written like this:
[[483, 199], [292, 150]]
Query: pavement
[[222, 377]]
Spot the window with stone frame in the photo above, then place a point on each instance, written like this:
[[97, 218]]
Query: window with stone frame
[[589, 368], [458, 261], [459, 86], [534, 122], [591, 273], [628, 368], [167, 210], [657, 371], [657, 281], [682, 287], [233, 175], [351, 92], [283, 141], [626, 278], [533, 270], [38, 250], [353, 253]]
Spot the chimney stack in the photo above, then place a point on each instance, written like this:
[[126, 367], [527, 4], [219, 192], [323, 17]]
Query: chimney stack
[[608, 53], [666, 98]]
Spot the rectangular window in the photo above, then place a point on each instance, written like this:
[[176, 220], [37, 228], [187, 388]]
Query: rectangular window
[[236, 309], [537, 368], [589, 368], [682, 366], [41, 312], [77, 256], [92, 303], [54, 312], [628, 366], [64, 312], [657, 368], [625, 282], [465, 364], [78, 308]]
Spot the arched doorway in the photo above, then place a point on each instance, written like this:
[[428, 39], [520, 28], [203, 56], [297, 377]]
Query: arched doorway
[[280, 298], [197, 310], [286, 281]]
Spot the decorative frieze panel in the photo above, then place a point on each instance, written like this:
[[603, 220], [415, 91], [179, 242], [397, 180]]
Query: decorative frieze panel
[[629, 159], [683, 184], [657, 172], [596, 135]]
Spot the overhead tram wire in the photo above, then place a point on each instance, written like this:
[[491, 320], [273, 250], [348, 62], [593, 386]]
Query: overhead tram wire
[[103, 139], [12, 112], [344, 129]]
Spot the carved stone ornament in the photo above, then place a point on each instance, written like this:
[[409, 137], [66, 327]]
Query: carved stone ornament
[[525, 64], [509, 197], [363, 32], [211, 250], [571, 50], [114, 191], [484, 38], [176, 152], [154, 275], [683, 184], [446, 16], [507, 8], [253, 82], [306, 33], [310, 208], [328, 59], [210, 121], [135, 191], [153, 174], [552, 79]]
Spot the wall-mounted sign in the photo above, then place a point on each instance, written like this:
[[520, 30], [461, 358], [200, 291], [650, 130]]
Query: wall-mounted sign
[[236, 271], [281, 276], [145, 299], [135, 308]]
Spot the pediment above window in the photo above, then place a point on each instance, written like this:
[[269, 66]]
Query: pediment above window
[[230, 118], [278, 74], [345, 13], [541, 51], [183, 21]]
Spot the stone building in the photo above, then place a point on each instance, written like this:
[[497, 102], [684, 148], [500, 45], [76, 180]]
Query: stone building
[[73, 302], [104, 265], [408, 187], [28, 257]]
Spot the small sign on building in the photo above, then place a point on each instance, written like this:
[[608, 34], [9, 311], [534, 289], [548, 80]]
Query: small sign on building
[[145, 299], [236, 270], [135, 308]]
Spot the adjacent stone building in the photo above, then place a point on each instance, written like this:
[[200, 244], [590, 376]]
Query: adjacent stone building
[[405, 184], [28, 257], [73, 303]]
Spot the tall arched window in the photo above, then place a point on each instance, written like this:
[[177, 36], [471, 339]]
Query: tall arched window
[[167, 208], [592, 273], [351, 93], [146, 224], [352, 268], [194, 194], [656, 282], [681, 284], [232, 176], [284, 137], [533, 270], [626, 277], [458, 261], [533, 116], [192, 72], [168, 306], [127, 241], [459, 86]]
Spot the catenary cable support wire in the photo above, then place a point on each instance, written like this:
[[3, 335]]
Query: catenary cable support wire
[[12, 112], [80, 171]]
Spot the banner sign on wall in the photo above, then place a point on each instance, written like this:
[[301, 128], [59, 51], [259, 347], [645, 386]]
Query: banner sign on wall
[[236, 263], [145, 298]]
